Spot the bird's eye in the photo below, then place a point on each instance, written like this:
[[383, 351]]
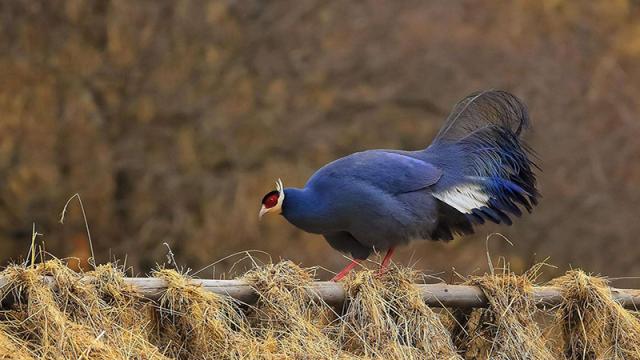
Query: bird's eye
[[271, 199]]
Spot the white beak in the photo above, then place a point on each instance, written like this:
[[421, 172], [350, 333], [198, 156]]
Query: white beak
[[263, 211]]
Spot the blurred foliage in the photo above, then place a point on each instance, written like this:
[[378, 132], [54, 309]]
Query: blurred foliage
[[173, 118]]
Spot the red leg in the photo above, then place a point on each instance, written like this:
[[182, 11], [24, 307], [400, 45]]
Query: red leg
[[346, 270], [387, 259]]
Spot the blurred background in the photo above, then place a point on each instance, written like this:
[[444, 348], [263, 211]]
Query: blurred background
[[172, 119]]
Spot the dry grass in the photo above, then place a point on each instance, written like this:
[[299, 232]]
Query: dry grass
[[12, 347], [97, 315], [100, 319], [195, 324], [593, 325], [386, 318], [289, 322], [507, 329]]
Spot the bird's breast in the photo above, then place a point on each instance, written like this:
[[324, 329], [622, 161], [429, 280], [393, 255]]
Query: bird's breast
[[310, 211]]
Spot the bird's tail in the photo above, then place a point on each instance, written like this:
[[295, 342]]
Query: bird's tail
[[487, 170]]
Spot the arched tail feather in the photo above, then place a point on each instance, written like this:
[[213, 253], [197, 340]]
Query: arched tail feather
[[488, 172]]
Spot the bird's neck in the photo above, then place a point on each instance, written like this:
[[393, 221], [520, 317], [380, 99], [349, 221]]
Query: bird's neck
[[306, 210]]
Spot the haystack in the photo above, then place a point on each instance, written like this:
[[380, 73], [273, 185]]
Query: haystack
[[51, 312], [290, 322], [386, 318], [593, 325], [70, 319], [507, 329], [196, 324]]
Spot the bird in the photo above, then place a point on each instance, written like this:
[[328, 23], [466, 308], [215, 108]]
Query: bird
[[477, 169]]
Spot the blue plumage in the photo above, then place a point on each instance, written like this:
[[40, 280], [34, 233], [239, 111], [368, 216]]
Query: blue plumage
[[477, 169]]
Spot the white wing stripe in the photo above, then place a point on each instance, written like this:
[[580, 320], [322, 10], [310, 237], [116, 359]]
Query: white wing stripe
[[464, 198]]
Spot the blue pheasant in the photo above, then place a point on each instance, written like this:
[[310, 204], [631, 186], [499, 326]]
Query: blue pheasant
[[477, 169]]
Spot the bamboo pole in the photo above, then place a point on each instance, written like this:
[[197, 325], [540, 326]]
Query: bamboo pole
[[434, 295]]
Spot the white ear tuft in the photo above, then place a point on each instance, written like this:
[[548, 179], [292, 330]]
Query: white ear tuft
[[280, 189]]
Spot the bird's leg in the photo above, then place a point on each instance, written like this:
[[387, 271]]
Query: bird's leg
[[346, 270], [386, 260]]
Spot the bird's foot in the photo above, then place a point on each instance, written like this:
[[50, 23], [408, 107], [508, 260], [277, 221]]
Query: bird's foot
[[385, 262], [346, 270]]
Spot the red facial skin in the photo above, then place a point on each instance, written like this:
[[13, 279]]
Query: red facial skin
[[271, 200]]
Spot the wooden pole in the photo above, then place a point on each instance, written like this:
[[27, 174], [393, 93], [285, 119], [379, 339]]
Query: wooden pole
[[434, 295]]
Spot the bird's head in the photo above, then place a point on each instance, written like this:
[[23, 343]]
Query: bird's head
[[272, 202]]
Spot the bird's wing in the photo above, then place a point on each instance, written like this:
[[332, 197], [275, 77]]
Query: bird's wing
[[393, 172]]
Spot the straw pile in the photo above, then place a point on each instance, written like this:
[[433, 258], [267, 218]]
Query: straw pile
[[52, 312], [101, 319], [195, 324], [387, 319], [593, 325], [288, 321], [507, 329]]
